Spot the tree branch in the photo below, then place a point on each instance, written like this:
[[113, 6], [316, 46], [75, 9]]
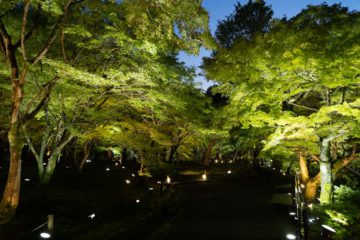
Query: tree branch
[[23, 29]]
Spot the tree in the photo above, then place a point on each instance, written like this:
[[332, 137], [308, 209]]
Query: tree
[[65, 34], [301, 80], [246, 22]]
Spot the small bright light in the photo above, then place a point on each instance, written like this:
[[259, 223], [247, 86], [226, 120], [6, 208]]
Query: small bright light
[[204, 177], [230, 161], [216, 161], [88, 161], [289, 194], [292, 213], [92, 216], [229, 172], [284, 174], [67, 167], [27, 179], [222, 161], [116, 164], [296, 218], [45, 235], [328, 228], [107, 169], [310, 205], [151, 188], [274, 168], [168, 180], [290, 236], [158, 182], [302, 186], [137, 200], [44, 164], [311, 220], [127, 181], [123, 167], [133, 175]]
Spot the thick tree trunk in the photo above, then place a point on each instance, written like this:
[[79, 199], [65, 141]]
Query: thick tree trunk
[[325, 170], [11, 195], [311, 184]]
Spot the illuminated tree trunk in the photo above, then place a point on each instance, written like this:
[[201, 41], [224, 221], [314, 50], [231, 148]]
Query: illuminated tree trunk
[[87, 148], [10, 199], [311, 184], [325, 170]]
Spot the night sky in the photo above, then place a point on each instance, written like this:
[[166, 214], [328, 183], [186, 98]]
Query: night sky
[[219, 9]]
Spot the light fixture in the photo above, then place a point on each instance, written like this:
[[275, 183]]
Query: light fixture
[[45, 235], [168, 180], [27, 179], [123, 167], [158, 182], [88, 161], [204, 177], [216, 161], [127, 181], [328, 228], [133, 175], [151, 189], [116, 163], [137, 200], [292, 213], [229, 172], [92, 216], [290, 236], [302, 186], [107, 169]]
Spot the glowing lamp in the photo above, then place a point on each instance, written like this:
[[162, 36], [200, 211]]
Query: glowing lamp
[[127, 181], [292, 213], [133, 175], [168, 180], [92, 216], [123, 167], [88, 161], [137, 200], [229, 172], [27, 179], [116, 164], [45, 235], [290, 236], [107, 169], [216, 161], [204, 177]]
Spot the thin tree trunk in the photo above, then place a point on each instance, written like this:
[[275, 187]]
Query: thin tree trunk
[[87, 148], [173, 150], [208, 152]]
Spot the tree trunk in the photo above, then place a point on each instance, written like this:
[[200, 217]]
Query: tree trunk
[[50, 167], [87, 148], [173, 150], [10, 199], [325, 170], [208, 152], [311, 185]]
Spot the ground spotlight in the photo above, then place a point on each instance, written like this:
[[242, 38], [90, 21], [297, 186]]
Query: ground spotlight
[[45, 235], [290, 236]]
